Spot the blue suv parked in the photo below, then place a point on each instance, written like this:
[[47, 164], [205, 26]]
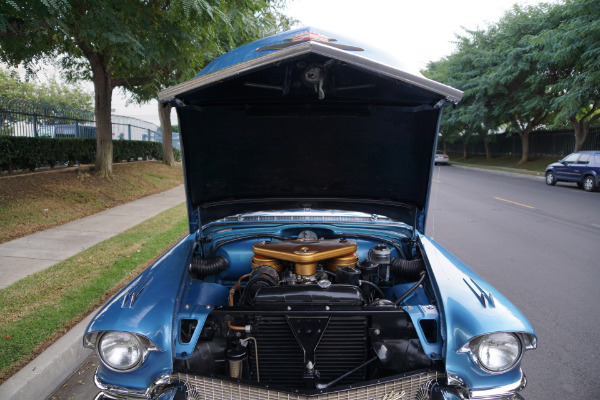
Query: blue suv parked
[[582, 167]]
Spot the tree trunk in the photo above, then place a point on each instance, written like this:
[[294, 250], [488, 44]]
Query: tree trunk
[[582, 131], [488, 149], [445, 145], [524, 145], [103, 100], [164, 113], [465, 149]]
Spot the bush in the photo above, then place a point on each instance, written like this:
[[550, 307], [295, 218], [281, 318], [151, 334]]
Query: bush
[[30, 152]]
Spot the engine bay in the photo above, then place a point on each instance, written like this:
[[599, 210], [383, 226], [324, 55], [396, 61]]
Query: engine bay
[[311, 312]]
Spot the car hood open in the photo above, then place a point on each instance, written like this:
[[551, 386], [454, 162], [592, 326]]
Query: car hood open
[[305, 119]]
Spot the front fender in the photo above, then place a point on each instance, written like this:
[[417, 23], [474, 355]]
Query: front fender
[[470, 307], [146, 307]]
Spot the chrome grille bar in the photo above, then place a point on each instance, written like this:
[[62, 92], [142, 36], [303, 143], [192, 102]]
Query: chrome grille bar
[[413, 387]]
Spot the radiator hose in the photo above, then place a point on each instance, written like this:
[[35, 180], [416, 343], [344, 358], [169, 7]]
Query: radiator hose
[[409, 269], [211, 266]]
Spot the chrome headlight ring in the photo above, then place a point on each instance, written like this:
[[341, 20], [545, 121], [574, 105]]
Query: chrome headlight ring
[[498, 352], [120, 351]]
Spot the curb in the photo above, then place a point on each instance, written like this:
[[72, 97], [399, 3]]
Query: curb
[[505, 173], [41, 377]]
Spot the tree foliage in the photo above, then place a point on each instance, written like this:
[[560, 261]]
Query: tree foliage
[[200, 45], [570, 56], [51, 92], [122, 43], [536, 66]]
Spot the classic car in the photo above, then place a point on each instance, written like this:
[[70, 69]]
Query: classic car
[[306, 273]]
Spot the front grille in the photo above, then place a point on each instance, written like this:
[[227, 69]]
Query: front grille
[[342, 348], [413, 387]]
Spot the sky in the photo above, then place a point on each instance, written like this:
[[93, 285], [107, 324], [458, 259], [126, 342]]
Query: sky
[[414, 32]]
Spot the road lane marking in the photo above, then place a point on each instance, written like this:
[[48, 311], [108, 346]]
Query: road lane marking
[[436, 181], [514, 202]]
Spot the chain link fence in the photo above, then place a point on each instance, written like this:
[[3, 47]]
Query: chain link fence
[[30, 119]]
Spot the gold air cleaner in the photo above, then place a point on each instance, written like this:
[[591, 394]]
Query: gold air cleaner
[[340, 262], [258, 260], [305, 253]]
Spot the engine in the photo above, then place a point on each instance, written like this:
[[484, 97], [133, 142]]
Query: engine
[[311, 314]]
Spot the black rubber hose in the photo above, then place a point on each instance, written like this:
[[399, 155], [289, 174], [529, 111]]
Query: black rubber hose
[[409, 269], [374, 286], [411, 290], [211, 266]]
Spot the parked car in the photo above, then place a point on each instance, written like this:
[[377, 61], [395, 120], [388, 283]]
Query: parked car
[[307, 273], [582, 167], [441, 158], [67, 131]]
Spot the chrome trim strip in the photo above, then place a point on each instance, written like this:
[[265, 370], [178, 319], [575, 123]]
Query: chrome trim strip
[[502, 392], [453, 95], [371, 224], [118, 392], [159, 388]]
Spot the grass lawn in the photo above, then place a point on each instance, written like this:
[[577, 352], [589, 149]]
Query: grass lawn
[[33, 202], [504, 163], [37, 310]]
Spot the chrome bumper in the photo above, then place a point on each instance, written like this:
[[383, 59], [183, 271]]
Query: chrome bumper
[[425, 385], [410, 387], [507, 392], [161, 389]]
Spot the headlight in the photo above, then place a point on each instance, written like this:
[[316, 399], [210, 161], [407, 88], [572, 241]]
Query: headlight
[[120, 350], [497, 352]]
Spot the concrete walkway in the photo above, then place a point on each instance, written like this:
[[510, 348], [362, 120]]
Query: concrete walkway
[[22, 257]]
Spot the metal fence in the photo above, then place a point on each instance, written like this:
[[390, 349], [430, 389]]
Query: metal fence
[[541, 143], [27, 118]]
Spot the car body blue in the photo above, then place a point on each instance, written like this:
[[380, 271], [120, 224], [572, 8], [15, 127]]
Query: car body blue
[[161, 305], [154, 304]]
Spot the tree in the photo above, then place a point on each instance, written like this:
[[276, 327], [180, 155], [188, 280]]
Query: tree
[[501, 76], [199, 44], [570, 56], [471, 119], [109, 42], [51, 92], [452, 124]]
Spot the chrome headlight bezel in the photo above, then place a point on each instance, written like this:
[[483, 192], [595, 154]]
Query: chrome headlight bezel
[[143, 344], [474, 346]]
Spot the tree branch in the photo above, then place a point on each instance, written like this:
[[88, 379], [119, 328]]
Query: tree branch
[[589, 113], [595, 117], [15, 28], [129, 81]]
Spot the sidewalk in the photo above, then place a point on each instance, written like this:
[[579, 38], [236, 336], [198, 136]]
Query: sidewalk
[[22, 257], [25, 256]]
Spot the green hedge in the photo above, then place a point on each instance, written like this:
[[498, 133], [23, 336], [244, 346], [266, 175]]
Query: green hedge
[[30, 153]]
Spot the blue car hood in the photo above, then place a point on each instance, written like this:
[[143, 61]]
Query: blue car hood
[[307, 119]]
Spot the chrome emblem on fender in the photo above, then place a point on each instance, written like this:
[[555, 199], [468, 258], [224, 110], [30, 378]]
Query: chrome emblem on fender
[[395, 395]]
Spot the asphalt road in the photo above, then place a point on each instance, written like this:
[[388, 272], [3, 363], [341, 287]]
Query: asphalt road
[[539, 245]]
